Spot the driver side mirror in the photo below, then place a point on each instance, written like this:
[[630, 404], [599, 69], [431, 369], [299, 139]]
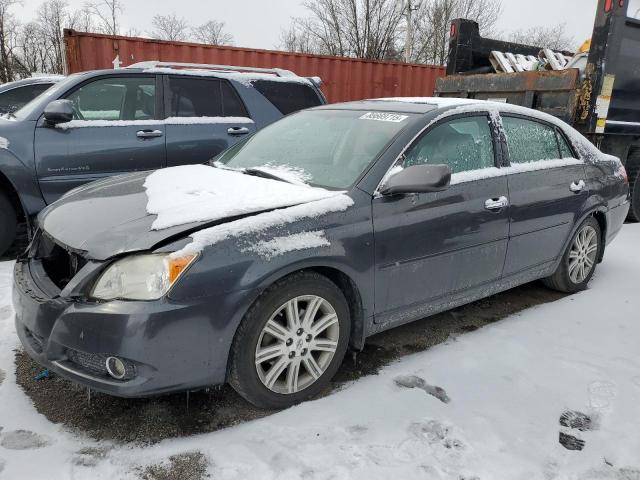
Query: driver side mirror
[[418, 179], [58, 111]]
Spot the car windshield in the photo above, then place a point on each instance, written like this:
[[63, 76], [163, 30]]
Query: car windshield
[[27, 110], [325, 148]]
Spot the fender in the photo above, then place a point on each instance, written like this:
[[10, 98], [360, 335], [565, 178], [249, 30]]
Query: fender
[[23, 181]]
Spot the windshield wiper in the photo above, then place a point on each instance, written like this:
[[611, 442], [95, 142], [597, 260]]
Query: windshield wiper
[[259, 172]]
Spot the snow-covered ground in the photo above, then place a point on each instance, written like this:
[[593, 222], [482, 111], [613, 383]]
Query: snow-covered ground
[[505, 387]]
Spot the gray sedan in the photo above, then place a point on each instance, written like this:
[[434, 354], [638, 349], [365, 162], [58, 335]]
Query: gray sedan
[[332, 224]]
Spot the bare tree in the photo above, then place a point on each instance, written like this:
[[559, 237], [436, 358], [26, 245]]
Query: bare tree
[[432, 24], [8, 34], [169, 27], [107, 13], [554, 37], [211, 33], [355, 28]]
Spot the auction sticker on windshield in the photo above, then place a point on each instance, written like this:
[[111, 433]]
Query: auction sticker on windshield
[[384, 117]]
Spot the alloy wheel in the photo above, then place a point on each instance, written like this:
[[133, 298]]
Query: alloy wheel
[[297, 344], [582, 256]]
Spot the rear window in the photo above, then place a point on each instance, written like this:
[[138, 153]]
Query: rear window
[[529, 141], [198, 97], [288, 97]]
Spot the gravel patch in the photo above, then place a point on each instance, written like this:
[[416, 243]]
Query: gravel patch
[[186, 466]]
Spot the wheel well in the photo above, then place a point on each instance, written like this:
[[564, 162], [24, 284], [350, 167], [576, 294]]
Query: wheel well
[[602, 221], [354, 300], [7, 188]]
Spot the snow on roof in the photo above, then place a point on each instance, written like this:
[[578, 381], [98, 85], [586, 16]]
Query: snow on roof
[[245, 78], [439, 102], [200, 193]]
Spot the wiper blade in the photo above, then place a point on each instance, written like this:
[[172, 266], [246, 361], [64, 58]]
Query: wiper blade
[[259, 172]]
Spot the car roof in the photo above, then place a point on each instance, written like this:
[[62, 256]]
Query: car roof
[[419, 105]]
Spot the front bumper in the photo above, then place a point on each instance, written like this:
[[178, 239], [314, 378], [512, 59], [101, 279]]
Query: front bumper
[[173, 346]]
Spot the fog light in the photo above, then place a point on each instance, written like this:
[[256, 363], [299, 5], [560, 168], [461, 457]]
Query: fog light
[[116, 368]]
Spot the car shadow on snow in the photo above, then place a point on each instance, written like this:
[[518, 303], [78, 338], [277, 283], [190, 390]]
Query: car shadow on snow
[[151, 420]]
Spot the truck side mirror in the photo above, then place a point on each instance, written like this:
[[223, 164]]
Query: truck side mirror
[[58, 111]]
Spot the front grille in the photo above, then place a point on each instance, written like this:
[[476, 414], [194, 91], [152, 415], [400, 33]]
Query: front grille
[[94, 364], [60, 264]]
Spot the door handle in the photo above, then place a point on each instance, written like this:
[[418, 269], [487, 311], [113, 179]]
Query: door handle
[[148, 134], [496, 204], [237, 130], [577, 187]]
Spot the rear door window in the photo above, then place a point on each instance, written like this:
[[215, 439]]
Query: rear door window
[[203, 97], [565, 149], [464, 144], [530, 141], [16, 98], [113, 98], [288, 97]]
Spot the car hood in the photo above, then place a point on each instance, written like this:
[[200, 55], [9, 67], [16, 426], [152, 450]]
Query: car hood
[[110, 217]]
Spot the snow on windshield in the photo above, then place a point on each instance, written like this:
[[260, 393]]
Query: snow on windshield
[[199, 193]]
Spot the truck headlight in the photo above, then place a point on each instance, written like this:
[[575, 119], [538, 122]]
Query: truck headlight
[[141, 277]]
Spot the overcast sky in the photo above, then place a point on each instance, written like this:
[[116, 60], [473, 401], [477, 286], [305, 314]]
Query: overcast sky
[[257, 23]]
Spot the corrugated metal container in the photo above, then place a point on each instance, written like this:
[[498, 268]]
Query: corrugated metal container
[[344, 79]]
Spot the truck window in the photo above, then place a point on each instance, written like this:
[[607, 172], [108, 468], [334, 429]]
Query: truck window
[[529, 141], [16, 98], [464, 144], [287, 97], [203, 97], [115, 99]]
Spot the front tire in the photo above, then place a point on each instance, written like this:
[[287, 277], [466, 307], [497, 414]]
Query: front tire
[[579, 260], [291, 342], [8, 224]]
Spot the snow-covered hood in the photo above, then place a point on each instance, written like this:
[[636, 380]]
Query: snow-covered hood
[[143, 210]]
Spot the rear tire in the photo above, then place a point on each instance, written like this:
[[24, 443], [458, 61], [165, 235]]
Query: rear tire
[[634, 185], [276, 362], [579, 260], [8, 224]]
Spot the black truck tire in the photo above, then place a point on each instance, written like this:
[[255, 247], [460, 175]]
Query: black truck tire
[[633, 172], [8, 224]]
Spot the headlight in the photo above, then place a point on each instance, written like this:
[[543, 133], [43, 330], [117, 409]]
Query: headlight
[[141, 277]]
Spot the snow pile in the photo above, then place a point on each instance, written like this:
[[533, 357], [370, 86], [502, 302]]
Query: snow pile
[[168, 121], [290, 243], [261, 222], [4, 143], [199, 193]]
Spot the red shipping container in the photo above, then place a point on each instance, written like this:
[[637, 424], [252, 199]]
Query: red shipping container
[[344, 79]]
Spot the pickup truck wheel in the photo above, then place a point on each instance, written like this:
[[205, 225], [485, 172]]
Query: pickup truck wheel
[[634, 187], [579, 260], [8, 224], [291, 342]]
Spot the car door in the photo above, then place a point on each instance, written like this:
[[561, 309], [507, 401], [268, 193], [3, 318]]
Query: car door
[[115, 130], [206, 116], [546, 189], [432, 245]]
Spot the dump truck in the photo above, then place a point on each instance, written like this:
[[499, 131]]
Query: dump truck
[[600, 97]]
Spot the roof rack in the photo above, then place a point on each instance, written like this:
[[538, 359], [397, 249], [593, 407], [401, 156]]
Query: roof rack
[[206, 66]]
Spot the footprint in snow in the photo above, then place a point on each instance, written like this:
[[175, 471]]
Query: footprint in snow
[[23, 440], [5, 312], [435, 432], [575, 422], [413, 381], [89, 456], [2, 376], [2, 464], [601, 393]]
